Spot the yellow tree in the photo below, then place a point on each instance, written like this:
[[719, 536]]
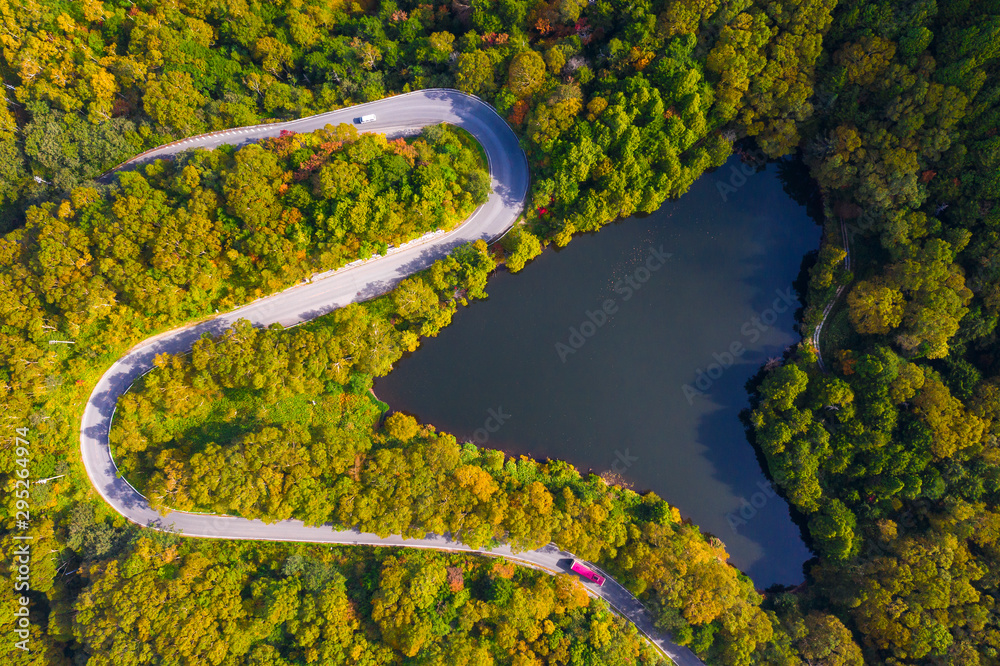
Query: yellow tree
[[875, 307], [526, 74], [173, 102]]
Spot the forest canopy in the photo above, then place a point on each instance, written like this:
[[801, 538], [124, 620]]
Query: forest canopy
[[285, 604], [278, 424], [883, 440]]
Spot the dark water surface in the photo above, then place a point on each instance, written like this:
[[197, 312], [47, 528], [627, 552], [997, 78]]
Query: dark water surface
[[616, 399]]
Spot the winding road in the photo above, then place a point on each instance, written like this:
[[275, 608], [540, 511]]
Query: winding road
[[833, 301], [400, 115]]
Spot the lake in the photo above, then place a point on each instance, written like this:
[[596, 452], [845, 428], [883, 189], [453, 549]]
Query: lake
[[628, 351]]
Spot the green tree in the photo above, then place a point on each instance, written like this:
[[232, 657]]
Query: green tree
[[173, 102], [474, 73], [833, 527], [521, 246]]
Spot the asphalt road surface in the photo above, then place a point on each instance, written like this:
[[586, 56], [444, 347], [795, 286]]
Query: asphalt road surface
[[400, 115]]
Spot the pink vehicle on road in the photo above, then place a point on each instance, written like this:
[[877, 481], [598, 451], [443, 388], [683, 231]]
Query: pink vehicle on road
[[586, 572]]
